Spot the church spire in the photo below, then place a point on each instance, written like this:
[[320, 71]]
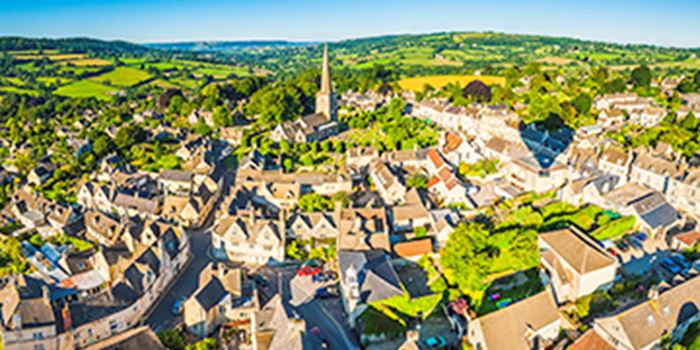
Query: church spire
[[325, 72]]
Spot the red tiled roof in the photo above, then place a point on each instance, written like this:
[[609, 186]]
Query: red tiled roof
[[447, 177], [434, 181], [689, 238], [452, 142], [590, 341], [414, 248], [435, 158]]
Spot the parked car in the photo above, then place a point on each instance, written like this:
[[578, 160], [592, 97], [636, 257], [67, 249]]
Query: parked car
[[319, 278], [178, 305], [436, 342], [308, 271], [640, 236], [634, 242], [612, 252], [680, 261], [622, 246], [669, 265]]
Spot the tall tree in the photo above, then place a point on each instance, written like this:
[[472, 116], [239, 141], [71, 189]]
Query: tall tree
[[641, 76]]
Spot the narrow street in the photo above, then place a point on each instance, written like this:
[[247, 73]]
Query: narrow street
[[162, 316]]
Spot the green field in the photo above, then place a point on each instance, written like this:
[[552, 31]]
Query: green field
[[16, 90], [438, 81], [123, 77], [85, 89], [53, 80]]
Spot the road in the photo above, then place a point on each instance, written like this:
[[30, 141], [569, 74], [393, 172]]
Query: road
[[312, 310], [316, 315], [162, 316]]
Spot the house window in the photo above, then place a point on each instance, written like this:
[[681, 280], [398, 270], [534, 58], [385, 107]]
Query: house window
[[37, 335], [113, 326], [39, 347]]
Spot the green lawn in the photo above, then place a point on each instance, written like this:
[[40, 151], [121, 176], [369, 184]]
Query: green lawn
[[86, 89], [614, 229], [123, 77], [532, 286]]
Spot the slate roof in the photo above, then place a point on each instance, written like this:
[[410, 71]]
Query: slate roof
[[376, 276], [101, 305], [662, 216], [211, 294]]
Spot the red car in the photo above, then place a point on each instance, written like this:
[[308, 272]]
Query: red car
[[308, 270]]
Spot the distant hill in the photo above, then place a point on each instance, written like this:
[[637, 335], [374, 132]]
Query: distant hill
[[9, 43], [462, 52], [225, 46]]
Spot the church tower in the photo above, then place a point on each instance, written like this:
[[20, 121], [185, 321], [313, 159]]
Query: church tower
[[326, 103]]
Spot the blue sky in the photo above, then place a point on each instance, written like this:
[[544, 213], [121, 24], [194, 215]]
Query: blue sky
[[671, 22]]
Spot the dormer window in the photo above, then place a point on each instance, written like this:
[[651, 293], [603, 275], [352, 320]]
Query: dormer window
[[650, 319]]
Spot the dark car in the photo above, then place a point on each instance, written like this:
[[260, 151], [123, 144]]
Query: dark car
[[641, 236], [633, 242], [622, 245]]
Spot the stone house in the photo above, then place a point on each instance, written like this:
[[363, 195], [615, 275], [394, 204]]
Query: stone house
[[666, 312], [616, 162], [530, 323], [387, 183], [221, 298], [249, 240], [575, 264]]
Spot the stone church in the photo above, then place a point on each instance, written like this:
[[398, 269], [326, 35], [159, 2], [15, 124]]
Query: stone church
[[317, 126]]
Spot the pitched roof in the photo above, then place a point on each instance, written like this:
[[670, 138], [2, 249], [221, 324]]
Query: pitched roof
[[506, 329], [414, 248], [211, 294], [373, 271], [689, 238], [276, 330], [175, 175], [590, 341], [579, 252], [498, 144], [452, 142], [615, 155], [655, 164], [435, 158], [134, 339], [140, 204], [647, 322]]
